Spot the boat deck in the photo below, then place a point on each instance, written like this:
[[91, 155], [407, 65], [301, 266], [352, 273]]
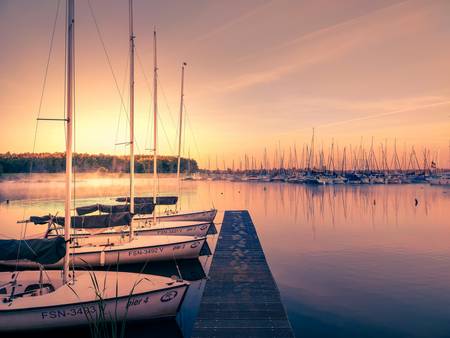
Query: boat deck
[[241, 298]]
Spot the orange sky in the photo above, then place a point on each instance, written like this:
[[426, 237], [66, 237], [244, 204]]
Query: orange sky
[[259, 73]]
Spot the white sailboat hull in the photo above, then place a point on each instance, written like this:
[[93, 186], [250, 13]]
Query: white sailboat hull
[[140, 250], [193, 216], [78, 304], [145, 227], [173, 228]]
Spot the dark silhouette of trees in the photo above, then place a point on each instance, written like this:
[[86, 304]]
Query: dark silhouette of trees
[[55, 162]]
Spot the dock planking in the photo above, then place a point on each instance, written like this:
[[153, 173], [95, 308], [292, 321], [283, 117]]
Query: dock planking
[[241, 298]]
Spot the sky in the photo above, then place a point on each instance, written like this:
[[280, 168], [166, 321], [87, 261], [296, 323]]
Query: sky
[[260, 74]]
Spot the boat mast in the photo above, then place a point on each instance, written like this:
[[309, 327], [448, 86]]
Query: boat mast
[[181, 120], [155, 122], [69, 129], [131, 114]]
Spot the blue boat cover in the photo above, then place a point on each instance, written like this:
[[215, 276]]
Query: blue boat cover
[[43, 251], [88, 222], [145, 208]]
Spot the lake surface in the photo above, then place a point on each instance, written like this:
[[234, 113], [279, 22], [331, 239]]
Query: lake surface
[[358, 261]]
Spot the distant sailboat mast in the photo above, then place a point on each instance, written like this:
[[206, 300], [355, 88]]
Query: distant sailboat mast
[[181, 121], [180, 131], [69, 130], [131, 114]]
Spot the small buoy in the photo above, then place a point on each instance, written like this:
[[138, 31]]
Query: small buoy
[[416, 202], [374, 202], [7, 201]]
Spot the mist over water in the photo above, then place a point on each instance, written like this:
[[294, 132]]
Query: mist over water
[[364, 261]]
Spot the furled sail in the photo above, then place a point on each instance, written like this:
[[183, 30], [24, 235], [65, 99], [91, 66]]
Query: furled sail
[[144, 208], [88, 222], [160, 200], [43, 251]]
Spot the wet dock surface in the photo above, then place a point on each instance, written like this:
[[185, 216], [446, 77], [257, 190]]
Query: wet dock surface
[[241, 299]]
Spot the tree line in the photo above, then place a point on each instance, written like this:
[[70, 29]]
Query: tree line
[[56, 162]]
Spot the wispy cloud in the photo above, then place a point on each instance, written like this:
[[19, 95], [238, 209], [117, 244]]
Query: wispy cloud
[[331, 42], [415, 104], [234, 21]]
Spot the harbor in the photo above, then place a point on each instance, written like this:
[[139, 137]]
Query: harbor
[[224, 169], [341, 241], [318, 177]]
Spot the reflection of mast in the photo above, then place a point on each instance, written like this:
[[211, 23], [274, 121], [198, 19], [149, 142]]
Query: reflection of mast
[[373, 213], [296, 199], [344, 202], [266, 192], [331, 201], [396, 206]]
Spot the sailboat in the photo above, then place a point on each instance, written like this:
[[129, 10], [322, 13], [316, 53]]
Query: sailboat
[[42, 299], [106, 248], [177, 215], [181, 224], [115, 227]]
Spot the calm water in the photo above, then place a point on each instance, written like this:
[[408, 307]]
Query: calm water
[[363, 261]]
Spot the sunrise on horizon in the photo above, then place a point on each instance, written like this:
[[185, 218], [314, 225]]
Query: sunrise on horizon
[[258, 168]]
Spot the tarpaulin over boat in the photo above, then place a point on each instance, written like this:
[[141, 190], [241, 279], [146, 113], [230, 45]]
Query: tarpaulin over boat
[[160, 200], [40, 219], [146, 208], [87, 209], [43, 251], [88, 222], [97, 221]]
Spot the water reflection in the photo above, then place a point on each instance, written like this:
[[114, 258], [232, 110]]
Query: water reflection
[[349, 260], [354, 260]]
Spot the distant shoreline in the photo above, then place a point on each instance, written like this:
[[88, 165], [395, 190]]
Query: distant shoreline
[[19, 163]]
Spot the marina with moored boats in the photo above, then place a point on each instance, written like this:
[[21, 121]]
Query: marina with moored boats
[[121, 233]]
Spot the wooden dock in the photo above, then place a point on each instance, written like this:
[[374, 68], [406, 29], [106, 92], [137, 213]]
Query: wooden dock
[[241, 299]]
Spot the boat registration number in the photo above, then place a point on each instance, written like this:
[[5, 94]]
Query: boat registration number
[[151, 251], [71, 312], [147, 251]]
